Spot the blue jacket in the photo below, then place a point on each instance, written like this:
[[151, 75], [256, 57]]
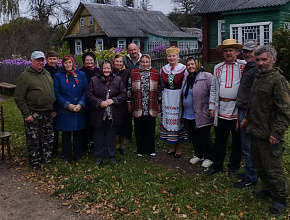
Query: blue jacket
[[66, 94]]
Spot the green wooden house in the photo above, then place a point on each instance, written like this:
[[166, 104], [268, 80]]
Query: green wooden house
[[243, 20], [101, 27]]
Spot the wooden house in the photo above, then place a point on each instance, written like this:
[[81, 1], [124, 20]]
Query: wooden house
[[100, 26], [243, 20]]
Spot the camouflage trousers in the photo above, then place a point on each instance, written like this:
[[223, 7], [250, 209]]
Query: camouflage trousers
[[268, 162], [39, 138]]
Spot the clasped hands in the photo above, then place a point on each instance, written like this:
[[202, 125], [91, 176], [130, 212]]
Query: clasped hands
[[105, 104], [74, 108]]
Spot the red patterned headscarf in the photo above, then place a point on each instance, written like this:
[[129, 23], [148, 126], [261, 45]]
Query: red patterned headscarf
[[71, 72]]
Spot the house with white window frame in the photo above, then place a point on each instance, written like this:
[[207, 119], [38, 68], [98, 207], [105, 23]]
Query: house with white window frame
[[101, 27], [243, 20]]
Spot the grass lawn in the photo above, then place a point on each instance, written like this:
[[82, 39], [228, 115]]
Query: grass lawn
[[136, 188]]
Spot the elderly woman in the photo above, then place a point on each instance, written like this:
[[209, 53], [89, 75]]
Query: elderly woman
[[119, 70], [105, 94], [70, 86], [195, 110], [144, 93], [171, 129]]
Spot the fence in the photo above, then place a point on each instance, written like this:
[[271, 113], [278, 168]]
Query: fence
[[10, 73]]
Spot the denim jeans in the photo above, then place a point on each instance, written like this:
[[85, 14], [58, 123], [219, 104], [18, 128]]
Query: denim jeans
[[250, 172]]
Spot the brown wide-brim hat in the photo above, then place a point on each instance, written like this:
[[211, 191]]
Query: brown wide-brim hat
[[229, 43]]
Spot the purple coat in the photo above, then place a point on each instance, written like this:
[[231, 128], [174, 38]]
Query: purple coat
[[96, 93], [201, 91]]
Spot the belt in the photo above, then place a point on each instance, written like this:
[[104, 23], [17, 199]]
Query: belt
[[227, 99]]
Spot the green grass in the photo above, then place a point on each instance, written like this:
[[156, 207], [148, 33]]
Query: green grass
[[136, 188]]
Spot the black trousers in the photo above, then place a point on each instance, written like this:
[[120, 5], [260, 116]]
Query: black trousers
[[201, 139], [105, 139], [145, 134], [222, 132], [67, 145]]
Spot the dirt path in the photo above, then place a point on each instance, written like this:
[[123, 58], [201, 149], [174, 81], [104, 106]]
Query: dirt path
[[21, 200]]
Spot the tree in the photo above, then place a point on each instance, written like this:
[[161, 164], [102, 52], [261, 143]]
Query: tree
[[9, 9], [50, 11], [109, 2], [184, 6], [129, 3], [145, 5]]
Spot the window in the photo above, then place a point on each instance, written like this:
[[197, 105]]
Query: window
[[122, 43], [99, 44], [136, 41], [78, 47], [151, 45], [287, 25], [82, 22], [221, 31], [187, 45], [261, 32], [91, 21]]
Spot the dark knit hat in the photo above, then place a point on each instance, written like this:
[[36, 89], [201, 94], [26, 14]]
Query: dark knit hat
[[51, 54]]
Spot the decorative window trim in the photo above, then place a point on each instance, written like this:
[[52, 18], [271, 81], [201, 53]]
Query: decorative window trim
[[287, 25], [151, 45], [78, 47], [136, 41], [187, 45], [99, 44], [261, 24], [121, 45], [220, 22], [82, 22]]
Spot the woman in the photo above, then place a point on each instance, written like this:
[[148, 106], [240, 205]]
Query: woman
[[195, 110], [119, 70], [70, 86], [144, 93], [90, 70], [171, 129], [106, 93]]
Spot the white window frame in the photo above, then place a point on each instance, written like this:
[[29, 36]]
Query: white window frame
[[187, 45], [136, 41], [82, 22], [99, 42], [261, 24], [287, 25], [151, 45], [121, 45], [220, 22], [91, 21], [78, 47]]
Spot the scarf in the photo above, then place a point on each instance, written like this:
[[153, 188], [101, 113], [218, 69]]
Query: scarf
[[71, 72], [191, 80]]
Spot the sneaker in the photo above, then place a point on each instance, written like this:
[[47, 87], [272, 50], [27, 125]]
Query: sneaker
[[36, 166], [262, 194], [233, 172], [97, 163], [195, 160], [122, 151], [206, 163], [140, 155], [153, 154], [243, 183]]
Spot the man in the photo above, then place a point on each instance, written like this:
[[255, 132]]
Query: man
[[131, 61], [268, 119], [34, 96], [223, 94], [250, 176], [52, 67]]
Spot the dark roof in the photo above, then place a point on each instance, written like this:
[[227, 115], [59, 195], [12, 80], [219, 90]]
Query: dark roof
[[209, 6], [119, 21]]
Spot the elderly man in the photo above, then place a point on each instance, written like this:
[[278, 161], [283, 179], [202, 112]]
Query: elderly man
[[250, 176], [223, 94], [34, 96], [268, 119], [132, 60]]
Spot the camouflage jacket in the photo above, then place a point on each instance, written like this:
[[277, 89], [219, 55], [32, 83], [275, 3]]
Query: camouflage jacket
[[269, 106]]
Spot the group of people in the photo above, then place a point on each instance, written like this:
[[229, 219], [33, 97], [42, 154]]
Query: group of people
[[249, 98]]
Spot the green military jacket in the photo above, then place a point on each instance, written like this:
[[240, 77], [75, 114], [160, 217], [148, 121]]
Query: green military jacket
[[269, 106]]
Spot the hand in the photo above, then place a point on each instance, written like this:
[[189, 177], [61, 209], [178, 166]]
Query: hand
[[243, 123], [53, 114], [71, 107], [78, 107], [103, 104], [109, 101], [129, 107], [212, 113], [273, 140], [29, 119]]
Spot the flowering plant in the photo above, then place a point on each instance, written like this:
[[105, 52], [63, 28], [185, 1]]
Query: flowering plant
[[110, 54], [17, 61], [159, 49]]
